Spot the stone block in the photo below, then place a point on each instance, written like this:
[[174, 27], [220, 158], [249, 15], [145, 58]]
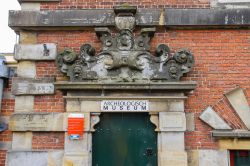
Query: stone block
[[73, 106], [234, 144], [210, 117], [29, 86], [213, 157], [77, 160], [26, 69], [37, 122], [176, 105], [28, 37], [55, 158], [27, 158], [35, 52], [8, 95], [172, 121], [171, 141], [24, 103], [190, 122], [22, 141], [78, 146], [240, 104], [193, 157], [30, 6], [158, 106], [91, 106], [5, 145], [172, 158]]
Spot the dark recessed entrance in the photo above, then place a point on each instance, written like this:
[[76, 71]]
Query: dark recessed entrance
[[124, 139]]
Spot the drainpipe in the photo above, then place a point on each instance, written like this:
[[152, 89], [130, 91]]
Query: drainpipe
[[4, 75]]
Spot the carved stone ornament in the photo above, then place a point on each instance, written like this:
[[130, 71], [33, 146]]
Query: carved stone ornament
[[124, 57]]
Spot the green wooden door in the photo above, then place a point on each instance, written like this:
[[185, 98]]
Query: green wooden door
[[124, 139]]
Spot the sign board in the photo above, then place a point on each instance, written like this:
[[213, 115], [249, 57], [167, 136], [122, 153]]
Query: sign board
[[125, 105], [75, 125]]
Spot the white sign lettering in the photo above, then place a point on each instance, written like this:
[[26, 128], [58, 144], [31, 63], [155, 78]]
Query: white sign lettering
[[124, 105]]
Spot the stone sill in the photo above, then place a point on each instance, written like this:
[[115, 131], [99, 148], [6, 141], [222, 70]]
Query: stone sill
[[173, 86], [231, 134]]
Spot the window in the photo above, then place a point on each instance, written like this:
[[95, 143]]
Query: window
[[240, 158]]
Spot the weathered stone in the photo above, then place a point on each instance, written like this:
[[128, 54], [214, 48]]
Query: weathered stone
[[26, 69], [172, 121], [55, 158], [176, 105], [5, 145], [73, 106], [37, 122], [90, 106], [181, 18], [193, 157], [30, 6], [213, 157], [8, 95], [80, 146], [171, 141], [190, 121], [27, 37], [28, 86], [29, 158], [185, 86], [22, 141], [210, 117], [124, 61], [231, 134], [234, 144], [77, 160], [24, 103], [239, 102], [230, 4], [35, 52], [172, 158]]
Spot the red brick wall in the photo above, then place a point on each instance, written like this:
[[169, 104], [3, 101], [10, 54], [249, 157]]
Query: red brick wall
[[87, 4], [221, 63], [47, 140], [2, 157]]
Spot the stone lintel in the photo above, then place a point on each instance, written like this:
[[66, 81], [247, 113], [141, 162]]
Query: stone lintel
[[237, 144], [35, 52], [231, 134], [173, 18], [171, 86], [30, 86]]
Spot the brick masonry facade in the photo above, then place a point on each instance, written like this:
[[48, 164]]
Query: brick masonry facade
[[222, 63]]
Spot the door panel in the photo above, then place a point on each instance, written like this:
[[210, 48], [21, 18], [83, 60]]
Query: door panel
[[125, 139]]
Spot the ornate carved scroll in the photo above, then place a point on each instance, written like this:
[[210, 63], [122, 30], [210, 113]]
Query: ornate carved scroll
[[125, 57]]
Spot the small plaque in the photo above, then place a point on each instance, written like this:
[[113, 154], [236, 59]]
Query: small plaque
[[124, 105]]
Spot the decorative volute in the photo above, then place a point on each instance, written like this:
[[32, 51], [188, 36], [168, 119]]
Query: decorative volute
[[124, 57]]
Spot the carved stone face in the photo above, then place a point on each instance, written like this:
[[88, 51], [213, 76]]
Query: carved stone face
[[125, 40]]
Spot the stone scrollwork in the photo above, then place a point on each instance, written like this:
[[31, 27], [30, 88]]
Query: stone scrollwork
[[125, 57]]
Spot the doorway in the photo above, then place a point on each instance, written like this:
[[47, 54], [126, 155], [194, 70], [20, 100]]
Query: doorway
[[124, 139]]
